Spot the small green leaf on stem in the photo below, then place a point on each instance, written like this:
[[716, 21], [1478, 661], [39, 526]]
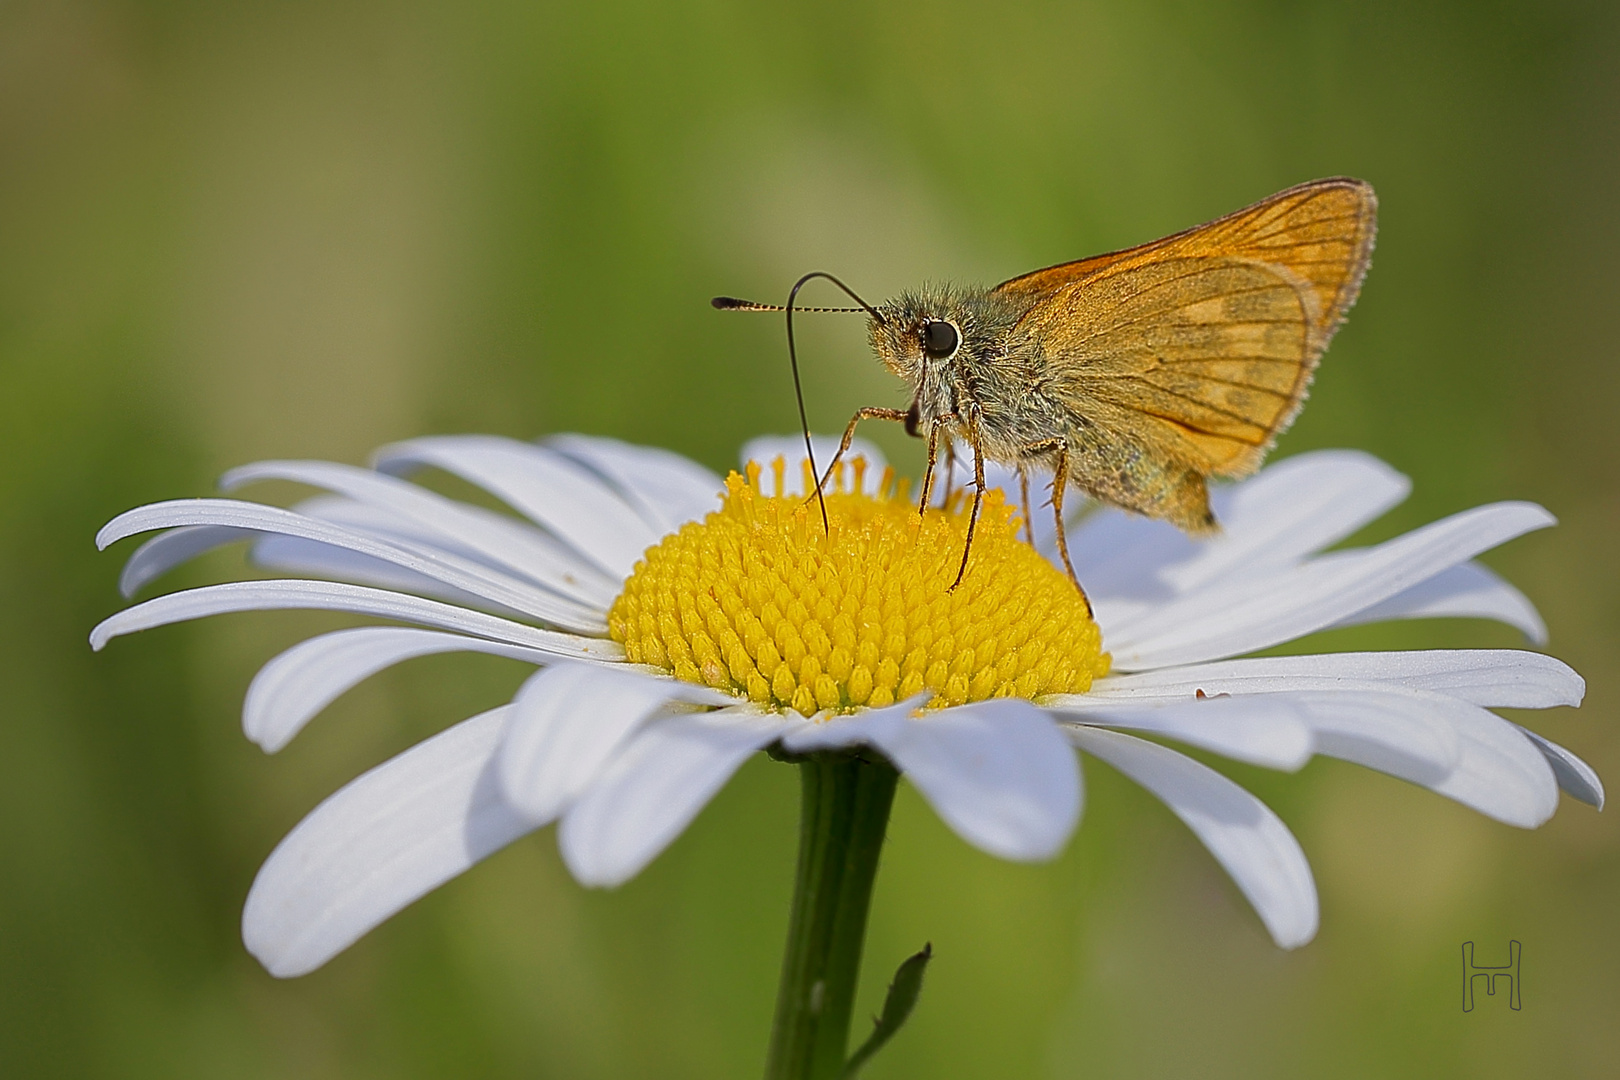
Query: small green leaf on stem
[[897, 1007]]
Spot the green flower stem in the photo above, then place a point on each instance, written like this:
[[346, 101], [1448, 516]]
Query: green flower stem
[[845, 811]]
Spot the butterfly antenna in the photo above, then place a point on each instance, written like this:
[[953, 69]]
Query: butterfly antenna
[[732, 303], [798, 389]]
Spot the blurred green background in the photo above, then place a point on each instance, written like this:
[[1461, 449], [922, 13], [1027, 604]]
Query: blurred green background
[[299, 229]]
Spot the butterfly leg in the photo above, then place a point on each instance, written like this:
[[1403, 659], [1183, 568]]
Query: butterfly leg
[[933, 459], [870, 413], [950, 469], [978, 493], [1023, 490], [928, 469], [1060, 482]]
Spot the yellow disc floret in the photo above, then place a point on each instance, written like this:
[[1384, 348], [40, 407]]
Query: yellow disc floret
[[759, 600]]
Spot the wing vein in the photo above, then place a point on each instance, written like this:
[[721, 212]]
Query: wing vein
[[1182, 422], [1201, 404], [1214, 379]]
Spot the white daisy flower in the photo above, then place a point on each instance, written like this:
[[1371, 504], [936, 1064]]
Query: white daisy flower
[[674, 639]]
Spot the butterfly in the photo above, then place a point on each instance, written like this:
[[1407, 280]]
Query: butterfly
[[1136, 375]]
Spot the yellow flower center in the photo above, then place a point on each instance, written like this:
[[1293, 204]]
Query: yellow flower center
[[758, 600]]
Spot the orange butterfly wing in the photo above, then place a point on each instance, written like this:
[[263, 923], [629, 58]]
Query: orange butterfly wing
[[1201, 345]]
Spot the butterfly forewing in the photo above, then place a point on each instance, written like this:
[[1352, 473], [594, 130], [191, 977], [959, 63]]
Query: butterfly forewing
[[1201, 345], [1207, 350]]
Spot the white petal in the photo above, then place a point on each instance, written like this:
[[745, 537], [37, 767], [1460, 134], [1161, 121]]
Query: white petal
[[668, 490], [1261, 729], [336, 596], [1245, 837], [767, 448], [1575, 776], [513, 545], [1495, 678], [453, 570], [1502, 774], [1241, 616], [1468, 591], [1291, 509], [293, 688], [998, 772], [567, 722], [540, 484], [291, 556], [552, 561], [1440, 742], [1408, 734], [379, 843], [1498, 770], [169, 549], [655, 786]]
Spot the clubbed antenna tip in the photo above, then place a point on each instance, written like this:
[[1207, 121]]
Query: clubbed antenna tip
[[732, 303]]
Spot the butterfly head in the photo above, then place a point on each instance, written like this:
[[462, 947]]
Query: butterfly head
[[923, 330], [932, 336]]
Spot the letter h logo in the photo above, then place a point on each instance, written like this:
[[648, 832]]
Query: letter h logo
[[1490, 973]]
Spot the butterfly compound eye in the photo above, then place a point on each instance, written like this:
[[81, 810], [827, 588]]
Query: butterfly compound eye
[[939, 339]]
